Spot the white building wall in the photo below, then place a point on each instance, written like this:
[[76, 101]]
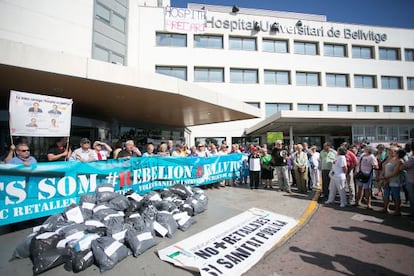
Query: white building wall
[[151, 21], [64, 25]]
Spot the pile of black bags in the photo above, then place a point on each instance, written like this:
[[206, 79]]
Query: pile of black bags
[[106, 227]]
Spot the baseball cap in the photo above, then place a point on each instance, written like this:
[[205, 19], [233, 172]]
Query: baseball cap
[[85, 141]]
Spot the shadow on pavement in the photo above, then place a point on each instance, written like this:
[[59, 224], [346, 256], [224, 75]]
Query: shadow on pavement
[[353, 266]]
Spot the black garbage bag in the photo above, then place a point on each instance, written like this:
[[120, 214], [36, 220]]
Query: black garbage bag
[[73, 213], [88, 198], [102, 212], [79, 261], [152, 196], [114, 223], [163, 205], [45, 254], [184, 221], [186, 207], [149, 212], [119, 203], [52, 223], [135, 202], [202, 201], [136, 221], [167, 221], [181, 190], [71, 229], [105, 192], [95, 226], [85, 242], [166, 193], [23, 249], [139, 241], [108, 252]]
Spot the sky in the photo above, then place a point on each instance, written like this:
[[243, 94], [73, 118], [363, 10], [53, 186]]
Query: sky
[[386, 13]]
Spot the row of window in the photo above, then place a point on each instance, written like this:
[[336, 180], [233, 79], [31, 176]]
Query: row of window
[[273, 108], [282, 46], [282, 77], [364, 134], [110, 17]]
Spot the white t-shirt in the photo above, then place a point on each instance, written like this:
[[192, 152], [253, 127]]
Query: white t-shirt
[[338, 165], [254, 164]]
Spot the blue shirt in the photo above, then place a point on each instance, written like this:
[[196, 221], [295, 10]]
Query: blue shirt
[[16, 160]]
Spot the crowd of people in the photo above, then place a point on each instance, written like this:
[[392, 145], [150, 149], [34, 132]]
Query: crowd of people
[[352, 171]]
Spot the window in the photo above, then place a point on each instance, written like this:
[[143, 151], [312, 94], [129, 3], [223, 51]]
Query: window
[[389, 53], [364, 81], [334, 50], [367, 108], [275, 46], [177, 72], [103, 54], [273, 108], [306, 48], [276, 77], [362, 52], [410, 83], [339, 108], [337, 80], [118, 22], [171, 39], [242, 43], [109, 17], [411, 109], [243, 76], [393, 108], [208, 41], [208, 74], [391, 82], [309, 107], [254, 104], [409, 54], [307, 79], [102, 13]]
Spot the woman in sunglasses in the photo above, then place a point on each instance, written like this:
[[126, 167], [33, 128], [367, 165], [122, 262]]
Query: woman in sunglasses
[[23, 156]]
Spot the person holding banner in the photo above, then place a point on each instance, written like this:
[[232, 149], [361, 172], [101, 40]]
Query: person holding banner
[[130, 150], [22, 156], [102, 150], [60, 151]]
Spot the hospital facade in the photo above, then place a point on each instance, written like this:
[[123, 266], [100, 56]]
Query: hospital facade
[[152, 72]]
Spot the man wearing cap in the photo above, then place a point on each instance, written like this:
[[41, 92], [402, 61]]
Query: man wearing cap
[[102, 150], [84, 153]]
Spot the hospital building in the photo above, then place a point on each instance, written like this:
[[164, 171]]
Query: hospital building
[[150, 71]]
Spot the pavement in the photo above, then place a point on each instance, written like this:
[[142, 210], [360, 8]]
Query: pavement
[[223, 204], [345, 241]]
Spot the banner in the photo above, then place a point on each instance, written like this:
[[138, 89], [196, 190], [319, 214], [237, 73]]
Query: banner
[[231, 247], [48, 188], [183, 20], [39, 115]]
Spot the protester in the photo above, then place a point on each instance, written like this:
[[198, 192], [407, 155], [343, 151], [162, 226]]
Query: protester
[[391, 177], [254, 168], [170, 148], [300, 161], [84, 153], [367, 163], [280, 158], [314, 161], [338, 178], [179, 151], [102, 150], [351, 163], [266, 169], [327, 156], [60, 151], [163, 150], [201, 151], [409, 166], [130, 150], [150, 150], [22, 156]]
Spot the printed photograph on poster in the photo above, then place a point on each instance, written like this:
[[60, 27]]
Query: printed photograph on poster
[[39, 115]]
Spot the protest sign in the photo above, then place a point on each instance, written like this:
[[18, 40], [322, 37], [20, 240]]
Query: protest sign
[[47, 188], [39, 115], [183, 20], [231, 247]]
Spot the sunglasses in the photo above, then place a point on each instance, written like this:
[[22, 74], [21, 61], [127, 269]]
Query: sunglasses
[[25, 150]]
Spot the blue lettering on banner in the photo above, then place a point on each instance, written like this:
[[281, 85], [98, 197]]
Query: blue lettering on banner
[[48, 188]]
